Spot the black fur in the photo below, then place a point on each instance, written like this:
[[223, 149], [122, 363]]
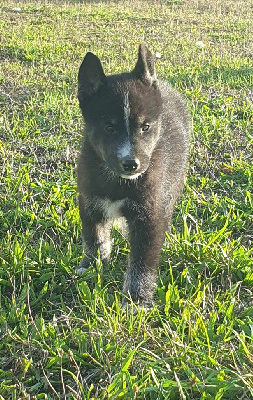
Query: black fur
[[132, 164]]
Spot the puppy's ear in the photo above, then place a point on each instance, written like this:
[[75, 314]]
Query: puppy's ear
[[145, 68], [91, 76]]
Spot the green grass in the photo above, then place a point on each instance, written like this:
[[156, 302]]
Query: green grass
[[63, 336]]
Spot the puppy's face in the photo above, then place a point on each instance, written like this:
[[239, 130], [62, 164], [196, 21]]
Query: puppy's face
[[123, 123], [122, 113]]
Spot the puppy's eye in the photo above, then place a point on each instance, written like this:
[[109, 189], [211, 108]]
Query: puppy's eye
[[145, 128], [109, 129]]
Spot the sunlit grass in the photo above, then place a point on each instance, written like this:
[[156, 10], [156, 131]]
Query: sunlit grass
[[63, 336]]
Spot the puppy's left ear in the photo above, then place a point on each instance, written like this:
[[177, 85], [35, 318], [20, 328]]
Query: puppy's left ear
[[145, 67]]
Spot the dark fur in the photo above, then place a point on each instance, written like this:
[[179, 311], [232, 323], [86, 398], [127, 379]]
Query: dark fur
[[117, 145]]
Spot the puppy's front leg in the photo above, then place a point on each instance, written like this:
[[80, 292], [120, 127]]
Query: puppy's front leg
[[96, 233], [146, 237]]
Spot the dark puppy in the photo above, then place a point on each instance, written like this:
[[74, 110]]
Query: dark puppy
[[132, 164]]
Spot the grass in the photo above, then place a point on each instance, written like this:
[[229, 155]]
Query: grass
[[63, 336]]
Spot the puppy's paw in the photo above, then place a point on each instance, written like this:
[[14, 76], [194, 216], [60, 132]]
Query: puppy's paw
[[83, 266], [138, 305], [80, 270]]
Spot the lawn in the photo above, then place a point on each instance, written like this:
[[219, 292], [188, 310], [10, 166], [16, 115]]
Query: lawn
[[66, 337]]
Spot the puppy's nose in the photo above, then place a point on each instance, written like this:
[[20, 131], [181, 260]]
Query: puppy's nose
[[130, 165]]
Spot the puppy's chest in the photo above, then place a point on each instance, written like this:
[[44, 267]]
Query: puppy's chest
[[112, 209]]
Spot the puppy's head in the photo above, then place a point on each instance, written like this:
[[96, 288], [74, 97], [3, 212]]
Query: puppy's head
[[122, 113]]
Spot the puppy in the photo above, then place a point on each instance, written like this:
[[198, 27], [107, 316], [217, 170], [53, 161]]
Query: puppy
[[132, 164]]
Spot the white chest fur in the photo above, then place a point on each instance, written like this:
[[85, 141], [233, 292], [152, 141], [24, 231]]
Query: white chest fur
[[112, 209]]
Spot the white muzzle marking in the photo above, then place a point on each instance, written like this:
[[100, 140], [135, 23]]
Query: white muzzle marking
[[125, 150]]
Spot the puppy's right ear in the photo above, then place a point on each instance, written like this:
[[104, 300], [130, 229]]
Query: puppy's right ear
[[90, 76]]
